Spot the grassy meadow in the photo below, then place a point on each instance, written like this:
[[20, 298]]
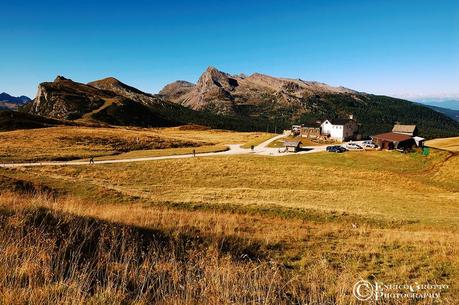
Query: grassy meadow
[[299, 229], [72, 143], [451, 144]]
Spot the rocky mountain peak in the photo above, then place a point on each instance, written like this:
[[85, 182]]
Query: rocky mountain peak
[[61, 78], [250, 96], [113, 84], [177, 89], [111, 80], [121, 89], [213, 77]]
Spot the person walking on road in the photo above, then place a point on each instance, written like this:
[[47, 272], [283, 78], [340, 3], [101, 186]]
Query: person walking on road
[[91, 160], [194, 152]]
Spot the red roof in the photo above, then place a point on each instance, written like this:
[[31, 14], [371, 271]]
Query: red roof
[[393, 137]]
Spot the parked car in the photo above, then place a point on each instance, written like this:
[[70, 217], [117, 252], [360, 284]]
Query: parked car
[[369, 144], [403, 149], [336, 149], [353, 145]]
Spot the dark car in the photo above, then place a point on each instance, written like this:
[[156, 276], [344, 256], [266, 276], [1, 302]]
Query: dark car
[[336, 149]]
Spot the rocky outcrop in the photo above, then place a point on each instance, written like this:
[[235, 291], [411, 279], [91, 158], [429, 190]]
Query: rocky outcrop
[[65, 99], [176, 90]]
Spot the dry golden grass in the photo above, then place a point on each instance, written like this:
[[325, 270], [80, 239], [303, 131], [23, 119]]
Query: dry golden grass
[[221, 137], [68, 143], [55, 258], [377, 185], [142, 254], [298, 229], [451, 144]]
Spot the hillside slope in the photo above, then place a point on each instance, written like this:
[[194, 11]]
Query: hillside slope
[[281, 102], [12, 120]]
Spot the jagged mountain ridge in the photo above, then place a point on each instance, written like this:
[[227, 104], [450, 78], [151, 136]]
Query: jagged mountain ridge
[[240, 95], [221, 100], [109, 101], [282, 101]]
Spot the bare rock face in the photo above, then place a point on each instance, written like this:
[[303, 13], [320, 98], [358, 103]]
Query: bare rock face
[[212, 93], [65, 99], [215, 78], [254, 96], [176, 90]]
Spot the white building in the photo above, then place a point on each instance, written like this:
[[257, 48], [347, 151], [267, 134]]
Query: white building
[[340, 129]]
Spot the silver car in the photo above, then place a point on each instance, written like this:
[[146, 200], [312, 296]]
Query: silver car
[[352, 145]]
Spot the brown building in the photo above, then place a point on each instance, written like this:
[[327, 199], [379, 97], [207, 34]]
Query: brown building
[[292, 146], [392, 140]]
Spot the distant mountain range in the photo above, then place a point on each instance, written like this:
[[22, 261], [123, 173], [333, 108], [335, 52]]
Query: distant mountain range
[[239, 102], [454, 114], [12, 102], [449, 103]]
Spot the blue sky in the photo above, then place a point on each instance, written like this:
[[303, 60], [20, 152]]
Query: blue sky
[[385, 47]]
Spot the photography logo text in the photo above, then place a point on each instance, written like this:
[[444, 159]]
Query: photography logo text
[[365, 290]]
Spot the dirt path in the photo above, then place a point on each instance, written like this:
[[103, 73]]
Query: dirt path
[[236, 149]]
